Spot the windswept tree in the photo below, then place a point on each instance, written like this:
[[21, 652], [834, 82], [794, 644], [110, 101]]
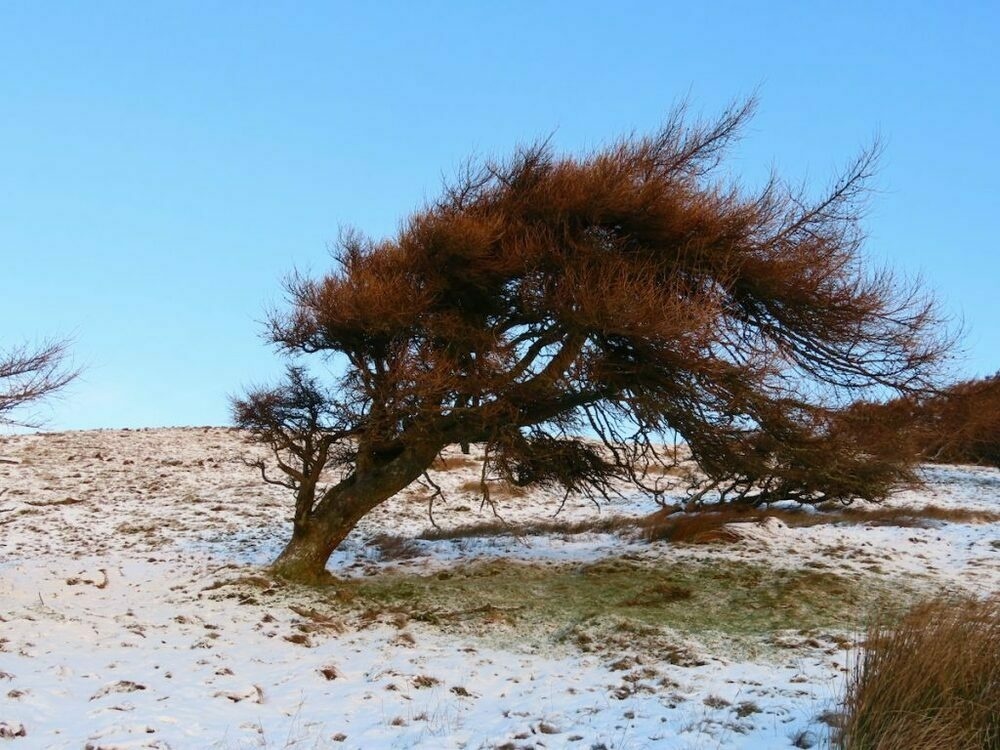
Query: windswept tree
[[628, 295], [28, 374]]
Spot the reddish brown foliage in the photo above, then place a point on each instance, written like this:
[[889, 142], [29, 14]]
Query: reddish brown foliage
[[960, 424], [628, 292], [963, 424]]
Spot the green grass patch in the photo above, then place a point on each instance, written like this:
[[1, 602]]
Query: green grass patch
[[544, 601]]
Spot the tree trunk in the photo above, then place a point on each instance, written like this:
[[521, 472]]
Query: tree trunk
[[317, 535], [305, 556]]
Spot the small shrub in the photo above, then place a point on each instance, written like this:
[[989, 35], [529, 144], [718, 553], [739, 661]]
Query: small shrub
[[932, 680]]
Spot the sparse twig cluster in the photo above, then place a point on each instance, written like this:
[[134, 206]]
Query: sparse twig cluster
[[28, 374]]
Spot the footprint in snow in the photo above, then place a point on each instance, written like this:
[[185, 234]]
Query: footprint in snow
[[122, 686], [254, 693]]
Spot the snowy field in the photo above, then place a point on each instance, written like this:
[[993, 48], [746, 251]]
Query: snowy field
[[134, 612]]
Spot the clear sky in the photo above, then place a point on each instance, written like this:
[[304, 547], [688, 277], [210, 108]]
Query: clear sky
[[164, 164]]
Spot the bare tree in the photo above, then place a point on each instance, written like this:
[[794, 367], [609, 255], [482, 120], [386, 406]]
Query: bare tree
[[28, 374], [629, 294]]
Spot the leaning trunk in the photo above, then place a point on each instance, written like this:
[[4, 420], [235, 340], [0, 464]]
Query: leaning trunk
[[317, 534], [307, 552]]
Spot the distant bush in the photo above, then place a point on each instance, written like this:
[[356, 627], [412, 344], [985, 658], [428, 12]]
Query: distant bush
[[963, 424], [932, 680], [959, 424]]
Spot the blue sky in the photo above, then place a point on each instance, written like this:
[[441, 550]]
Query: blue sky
[[164, 165]]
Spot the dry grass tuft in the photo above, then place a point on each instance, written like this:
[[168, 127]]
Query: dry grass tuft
[[708, 524], [932, 680], [600, 525], [498, 490], [914, 516], [704, 526], [392, 547], [452, 463]]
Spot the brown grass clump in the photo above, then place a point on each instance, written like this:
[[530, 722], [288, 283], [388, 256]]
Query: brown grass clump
[[392, 547], [666, 526], [708, 524], [600, 525], [930, 681], [914, 516], [452, 463], [498, 490]]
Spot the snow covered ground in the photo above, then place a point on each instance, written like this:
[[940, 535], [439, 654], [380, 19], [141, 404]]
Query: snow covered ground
[[133, 614]]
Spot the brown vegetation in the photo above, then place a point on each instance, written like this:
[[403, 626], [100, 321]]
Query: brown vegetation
[[392, 547], [912, 516], [453, 463], [630, 292], [959, 424], [599, 525], [705, 526], [708, 524], [495, 490], [930, 681], [963, 424]]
